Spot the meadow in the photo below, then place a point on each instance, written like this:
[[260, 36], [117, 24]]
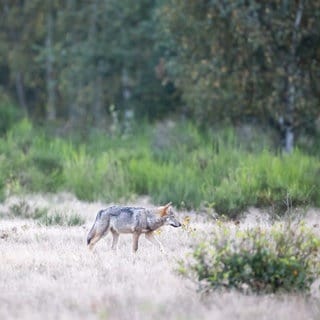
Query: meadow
[[47, 271], [53, 182]]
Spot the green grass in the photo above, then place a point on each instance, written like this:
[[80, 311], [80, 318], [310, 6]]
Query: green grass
[[61, 220], [41, 214], [266, 179], [169, 162]]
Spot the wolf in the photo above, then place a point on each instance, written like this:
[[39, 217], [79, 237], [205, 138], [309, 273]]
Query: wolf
[[134, 220]]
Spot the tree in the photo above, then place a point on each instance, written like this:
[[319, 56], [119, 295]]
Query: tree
[[72, 60], [17, 31], [235, 60], [106, 57]]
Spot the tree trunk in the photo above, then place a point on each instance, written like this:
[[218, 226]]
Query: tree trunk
[[20, 91], [96, 68], [72, 75], [292, 72], [51, 95], [126, 96], [97, 105]]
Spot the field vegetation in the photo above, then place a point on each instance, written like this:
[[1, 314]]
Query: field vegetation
[[47, 272], [281, 258], [171, 161], [219, 264], [212, 105]]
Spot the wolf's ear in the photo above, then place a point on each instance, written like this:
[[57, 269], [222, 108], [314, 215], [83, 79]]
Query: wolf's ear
[[163, 210]]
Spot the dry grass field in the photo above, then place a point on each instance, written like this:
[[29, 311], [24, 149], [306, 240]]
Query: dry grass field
[[47, 272]]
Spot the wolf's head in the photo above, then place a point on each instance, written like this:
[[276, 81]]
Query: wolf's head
[[167, 213]]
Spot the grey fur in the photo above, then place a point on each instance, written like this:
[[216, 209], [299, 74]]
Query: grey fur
[[134, 220]]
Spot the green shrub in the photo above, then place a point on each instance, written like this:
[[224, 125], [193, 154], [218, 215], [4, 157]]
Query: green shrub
[[21, 135], [9, 114], [172, 142], [166, 182], [23, 210], [59, 219], [171, 162], [96, 177], [74, 220], [266, 179], [3, 177], [46, 164], [282, 258]]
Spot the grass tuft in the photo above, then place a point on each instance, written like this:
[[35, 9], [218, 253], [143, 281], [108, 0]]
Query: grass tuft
[[24, 211]]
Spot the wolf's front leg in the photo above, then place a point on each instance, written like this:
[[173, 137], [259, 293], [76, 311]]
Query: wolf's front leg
[[135, 239], [115, 238], [150, 236]]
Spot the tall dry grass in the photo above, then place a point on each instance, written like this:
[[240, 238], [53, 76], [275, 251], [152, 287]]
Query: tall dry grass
[[46, 272]]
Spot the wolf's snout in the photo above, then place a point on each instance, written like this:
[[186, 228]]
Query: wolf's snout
[[176, 224]]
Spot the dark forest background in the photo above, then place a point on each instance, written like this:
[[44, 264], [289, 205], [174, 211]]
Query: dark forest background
[[76, 62], [209, 104]]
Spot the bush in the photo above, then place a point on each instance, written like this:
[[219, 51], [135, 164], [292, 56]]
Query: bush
[[282, 258], [97, 177], [60, 219], [169, 162], [9, 114], [24, 211], [47, 165], [265, 180], [166, 182]]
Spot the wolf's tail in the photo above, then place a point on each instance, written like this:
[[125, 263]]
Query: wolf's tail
[[99, 228]]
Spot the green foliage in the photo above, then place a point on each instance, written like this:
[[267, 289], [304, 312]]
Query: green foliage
[[23, 210], [31, 160], [3, 177], [269, 180], [73, 60], [101, 177], [9, 114], [169, 162], [81, 62], [61, 220], [284, 257], [231, 60], [166, 182]]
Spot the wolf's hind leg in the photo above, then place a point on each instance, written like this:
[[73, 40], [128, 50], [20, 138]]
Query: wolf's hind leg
[[150, 236]]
